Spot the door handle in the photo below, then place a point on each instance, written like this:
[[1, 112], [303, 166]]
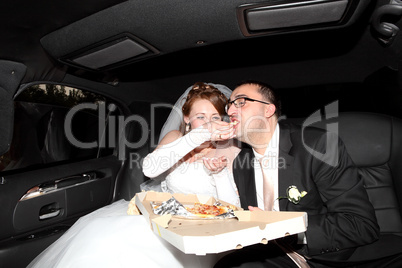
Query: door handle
[[51, 214], [50, 211]]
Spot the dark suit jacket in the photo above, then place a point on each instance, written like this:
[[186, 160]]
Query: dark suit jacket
[[340, 215]]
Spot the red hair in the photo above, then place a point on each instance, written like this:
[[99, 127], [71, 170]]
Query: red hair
[[204, 91]]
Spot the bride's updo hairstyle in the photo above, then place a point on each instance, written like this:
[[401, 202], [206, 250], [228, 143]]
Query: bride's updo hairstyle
[[201, 90], [204, 91]]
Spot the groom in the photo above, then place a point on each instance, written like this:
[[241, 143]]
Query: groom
[[340, 215]]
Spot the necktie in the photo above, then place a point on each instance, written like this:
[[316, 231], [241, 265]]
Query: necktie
[[268, 191], [268, 185]]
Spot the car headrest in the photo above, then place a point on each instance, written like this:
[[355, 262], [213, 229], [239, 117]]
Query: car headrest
[[367, 136]]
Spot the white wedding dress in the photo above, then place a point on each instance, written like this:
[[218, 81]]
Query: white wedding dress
[[190, 178], [109, 237]]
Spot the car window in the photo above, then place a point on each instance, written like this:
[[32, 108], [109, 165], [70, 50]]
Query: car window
[[54, 123]]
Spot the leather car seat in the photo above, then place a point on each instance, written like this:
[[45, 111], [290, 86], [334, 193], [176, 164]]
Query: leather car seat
[[374, 142]]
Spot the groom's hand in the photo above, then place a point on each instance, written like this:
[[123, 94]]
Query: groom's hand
[[251, 208], [216, 164]]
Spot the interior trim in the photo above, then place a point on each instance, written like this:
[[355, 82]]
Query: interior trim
[[110, 53], [286, 15]]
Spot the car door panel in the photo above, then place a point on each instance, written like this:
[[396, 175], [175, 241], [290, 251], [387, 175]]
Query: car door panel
[[33, 213], [33, 217], [53, 202]]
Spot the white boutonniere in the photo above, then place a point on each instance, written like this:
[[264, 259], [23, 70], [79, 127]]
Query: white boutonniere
[[293, 194]]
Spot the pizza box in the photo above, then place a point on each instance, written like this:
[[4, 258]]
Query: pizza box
[[206, 236]]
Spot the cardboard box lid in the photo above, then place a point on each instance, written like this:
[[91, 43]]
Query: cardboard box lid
[[206, 236]]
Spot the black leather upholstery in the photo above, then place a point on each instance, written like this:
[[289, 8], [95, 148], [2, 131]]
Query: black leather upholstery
[[374, 143]]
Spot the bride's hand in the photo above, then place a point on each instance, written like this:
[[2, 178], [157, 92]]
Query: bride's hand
[[220, 130]]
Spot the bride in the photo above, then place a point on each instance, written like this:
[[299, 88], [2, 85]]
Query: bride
[[196, 160]]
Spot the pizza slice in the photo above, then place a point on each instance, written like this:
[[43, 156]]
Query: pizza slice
[[208, 211], [193, 211]]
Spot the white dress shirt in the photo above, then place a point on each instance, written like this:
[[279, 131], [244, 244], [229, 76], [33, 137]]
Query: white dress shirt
[[272, 171], [272, 151]]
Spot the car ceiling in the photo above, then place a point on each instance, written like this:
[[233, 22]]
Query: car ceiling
[[24, 23], [190, 40]]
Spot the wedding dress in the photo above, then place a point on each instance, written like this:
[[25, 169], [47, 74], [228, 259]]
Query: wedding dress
[[109, 237], [192, 177]]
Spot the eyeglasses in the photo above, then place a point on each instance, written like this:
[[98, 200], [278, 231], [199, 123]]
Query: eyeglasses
[[240, 102]]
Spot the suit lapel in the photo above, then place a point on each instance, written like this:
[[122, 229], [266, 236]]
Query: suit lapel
[[244, 171], [244, 177], [285, 165]]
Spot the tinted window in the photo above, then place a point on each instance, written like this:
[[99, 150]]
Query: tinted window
[[54, 124]]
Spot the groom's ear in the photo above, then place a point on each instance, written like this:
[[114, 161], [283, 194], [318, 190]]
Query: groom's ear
[[270, 110]]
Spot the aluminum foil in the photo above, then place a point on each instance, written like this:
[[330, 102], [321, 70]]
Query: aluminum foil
[[174, 207]]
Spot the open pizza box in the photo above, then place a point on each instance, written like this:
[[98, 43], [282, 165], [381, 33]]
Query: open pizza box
[[207, 236]]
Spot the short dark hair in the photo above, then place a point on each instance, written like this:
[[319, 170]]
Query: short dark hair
[[268, 93]]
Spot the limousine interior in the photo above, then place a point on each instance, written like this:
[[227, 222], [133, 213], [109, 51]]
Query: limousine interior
[[92, 64]]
